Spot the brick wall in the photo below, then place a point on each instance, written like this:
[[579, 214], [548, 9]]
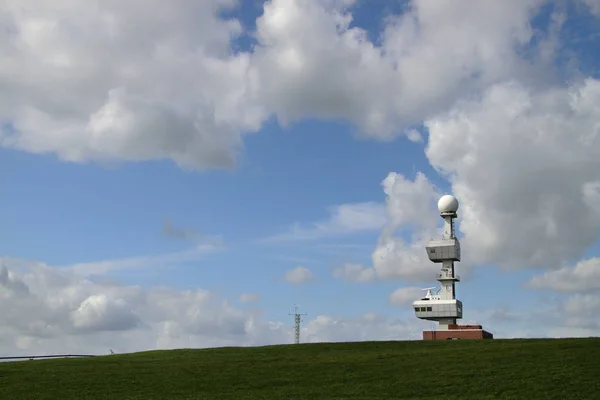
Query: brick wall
[[457, 334], [456, 326]]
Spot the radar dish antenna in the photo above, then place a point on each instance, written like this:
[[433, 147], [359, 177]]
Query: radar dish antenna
[[429, 294]]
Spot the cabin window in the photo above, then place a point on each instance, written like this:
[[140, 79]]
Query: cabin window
[[428, 308]]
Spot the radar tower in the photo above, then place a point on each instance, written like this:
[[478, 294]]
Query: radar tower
[[444, 307]]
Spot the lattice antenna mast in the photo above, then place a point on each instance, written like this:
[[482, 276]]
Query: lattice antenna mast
[[297, 321]]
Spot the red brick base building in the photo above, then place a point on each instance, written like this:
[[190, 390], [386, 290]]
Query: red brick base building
[[458, 332]]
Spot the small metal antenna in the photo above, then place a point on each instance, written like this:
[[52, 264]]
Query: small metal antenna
[[297, 321]]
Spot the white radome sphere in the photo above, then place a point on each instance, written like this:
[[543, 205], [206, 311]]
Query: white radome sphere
[[448, 204]]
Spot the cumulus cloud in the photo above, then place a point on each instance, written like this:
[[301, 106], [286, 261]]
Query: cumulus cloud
[[581, 311], [299, 275], [50, 311], [405, 296], [520, 156], [369, 326], [150, 80], [575, 316], [142, 80], [125, 81], [100, 313], [414, 136], [311, 62], [523, 164], [582, 277], [412, 219], [47, 310], [412, 210], [345, 219], [594, 6], [354, 273]]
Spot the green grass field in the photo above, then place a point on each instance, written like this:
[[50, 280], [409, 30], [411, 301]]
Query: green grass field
[[459, 369]]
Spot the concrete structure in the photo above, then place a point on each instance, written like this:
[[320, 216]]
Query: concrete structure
[[458, 332], [443, 306]]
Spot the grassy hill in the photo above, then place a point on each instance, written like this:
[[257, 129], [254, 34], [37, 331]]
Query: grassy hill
[[460, 369]]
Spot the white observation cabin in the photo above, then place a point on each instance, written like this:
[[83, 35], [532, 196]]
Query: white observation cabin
[[443, 306]]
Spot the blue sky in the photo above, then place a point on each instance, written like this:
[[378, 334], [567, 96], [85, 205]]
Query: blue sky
[[63, 213], [86, 213]]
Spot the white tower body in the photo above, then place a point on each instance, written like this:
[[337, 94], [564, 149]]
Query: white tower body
[[443, 306]]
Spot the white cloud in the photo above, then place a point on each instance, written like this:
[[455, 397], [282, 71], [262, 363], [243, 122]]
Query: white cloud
[[537, 146], [310, 63], [299, 275], [369, 326], [411, 207], [414, 136], [249, 297], [158, 261], [125, 81], [354, 273], [523, 164], [582, 277], [580, 312], [404, 296], [575, 316], [493, 130], [142, 80], [594, 6], [345, 219], [133, 81], [50, 311], [100, 313], [412, 220]]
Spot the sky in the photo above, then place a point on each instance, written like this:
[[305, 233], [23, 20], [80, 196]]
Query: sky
[[181, 174]]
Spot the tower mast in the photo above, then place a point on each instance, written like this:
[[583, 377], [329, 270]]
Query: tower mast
[[297, 321], [447, 277], [444, 307]]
